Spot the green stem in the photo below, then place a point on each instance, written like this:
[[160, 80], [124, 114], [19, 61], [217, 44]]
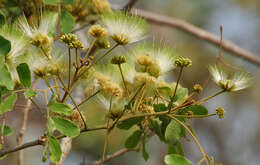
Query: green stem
[[123, 78], [107, 133], [204, 155], [49, 85], [69, 67], [82, 102], [177, 83], [74, 102], [101, 57], [209, 97]]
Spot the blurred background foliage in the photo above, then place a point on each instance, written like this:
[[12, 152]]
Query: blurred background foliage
[[233, 140]]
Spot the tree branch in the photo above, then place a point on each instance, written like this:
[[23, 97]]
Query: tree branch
[[129, 5], [199, 33], [114, 155]]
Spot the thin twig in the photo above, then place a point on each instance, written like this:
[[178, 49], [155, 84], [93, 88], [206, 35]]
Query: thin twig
[[114, 155], [2, 129]]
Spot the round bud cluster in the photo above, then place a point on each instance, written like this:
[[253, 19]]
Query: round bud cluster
[[118, 60], [121, 39], [197, 88], [97, 31], [101, 6], [183, 62], [144, 78], [109, 86], [72, 41], [145, 60], [41, 40], [220, 112]]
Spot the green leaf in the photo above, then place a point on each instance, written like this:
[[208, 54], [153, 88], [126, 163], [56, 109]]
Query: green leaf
[[2, 19], [30, 93], [3, 91], [127, 124], [8, 103], [54, 149], [60, 108], [159, 107], [50, 2], [144, 152], [133, 140], [67, 2], [5, 46], [66, 127], [173, 132], [165, 122], [67, 22], [24, 74], [176, 149], [174, 159], [196, 109], [157, 129], [6, 79], [181, 95], [7, 130]]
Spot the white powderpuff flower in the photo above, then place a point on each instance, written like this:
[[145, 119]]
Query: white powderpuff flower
[[18, 50], [230, 81], [43, 66], [41, 35], [162, 54], [124, 28]]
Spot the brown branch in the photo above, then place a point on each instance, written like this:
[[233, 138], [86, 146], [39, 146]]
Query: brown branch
[[129, 5], [2, 129], [41, 141], [24, 125], [114, 155], [199, 33]]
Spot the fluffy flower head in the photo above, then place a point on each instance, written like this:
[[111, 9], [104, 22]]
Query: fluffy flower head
[[230, 81], [124, 28]]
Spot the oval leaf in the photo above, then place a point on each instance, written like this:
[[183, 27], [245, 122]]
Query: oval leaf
[[24, 74], [6, 79], [66, 127], [67, 22], [174, 159], [5, 46], [197, 110], [60, 108], [55, 149], [133, 140], [127, 124], [8, 103], [7, 130], [173, 132]]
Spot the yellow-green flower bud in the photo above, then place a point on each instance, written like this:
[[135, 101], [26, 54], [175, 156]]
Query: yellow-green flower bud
[[197, 88], [68, 38], [41, 40], [97, 31], [118, 60], [121, 39], [183, 62], [220, 112]]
